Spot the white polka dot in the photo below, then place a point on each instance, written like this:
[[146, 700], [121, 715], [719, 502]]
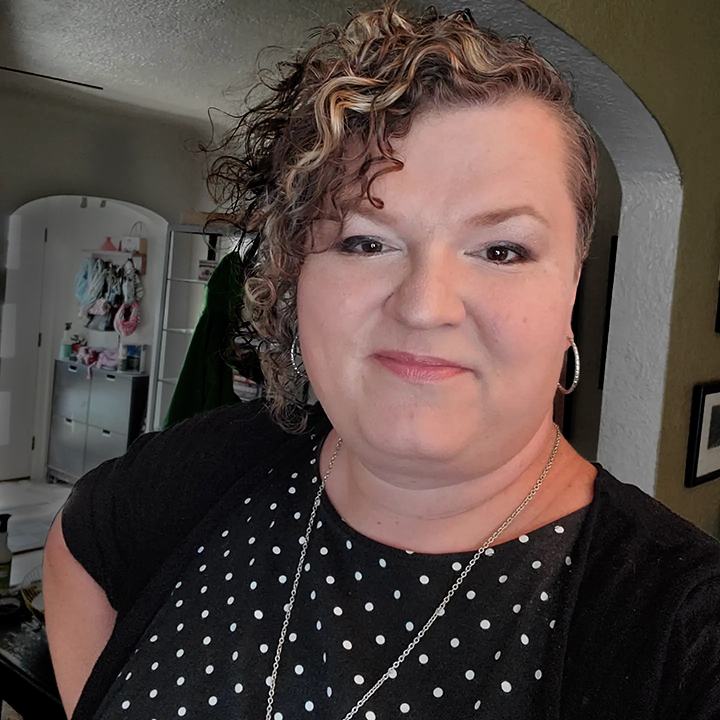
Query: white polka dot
[[225, 533], [228, 576], [455, 643], [337, 610], [235, 655], [358, 575], [292, 637], [238, 688], [568, 560], [538, 674], [209, 670], [207, 640], [178, 584], [268, 681], [544, 596], [212, 700], [380, 639], [348, 544], [302, 540], [294, 475], [524, 639], [203, 589], [313, 595], [204, 614], [470, 595], [180, 653], [128, 676], [313, 461], [498, 654], [424, 579], [179, 603], [233, 627], [537, 564], [359, 679], [153, 693], [423, 659], [369, 606], [297, 516], [503, 578], [397, 594], [517, 608], [309, 706], [552, 624], [180, 681], [276, 550], [230, 600], [126, 705], [523, 538], [438, 692], [457, 567], [404, 708], [477, 705], [382, 562], [409, 626], [329, 579], [282, 579], [318, 525], [329, 691], [485, 624], [392, 673], [226, 553], [273, 506], [201, 548], [370, 715], [258, 614], [347, 644], [251, 541], [318, 625], [264, 647], [470, 674], [247, 499], [299, 669], [307, 567], [489, 552], [278, 716], [292, 490], [506, 686], [155, 666], [559, 529]]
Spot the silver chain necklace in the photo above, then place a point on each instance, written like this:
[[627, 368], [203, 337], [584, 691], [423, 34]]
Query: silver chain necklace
[[391, 672]]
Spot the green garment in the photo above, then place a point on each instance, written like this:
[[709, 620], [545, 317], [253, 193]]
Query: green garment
[[205, 380]]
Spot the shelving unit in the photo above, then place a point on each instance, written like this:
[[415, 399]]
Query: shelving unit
[[181, 303]]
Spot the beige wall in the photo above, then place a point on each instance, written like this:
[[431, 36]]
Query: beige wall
[[668, 52]]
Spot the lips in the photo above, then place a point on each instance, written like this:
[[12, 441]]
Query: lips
[[419, 368]]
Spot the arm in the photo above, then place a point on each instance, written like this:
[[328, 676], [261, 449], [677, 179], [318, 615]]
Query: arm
[[78, 616]]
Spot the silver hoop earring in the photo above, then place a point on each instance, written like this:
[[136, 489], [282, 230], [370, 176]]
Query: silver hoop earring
[[294, 352], [576, 377]]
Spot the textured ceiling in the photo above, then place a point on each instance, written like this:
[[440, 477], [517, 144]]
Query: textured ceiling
[[173, 55]]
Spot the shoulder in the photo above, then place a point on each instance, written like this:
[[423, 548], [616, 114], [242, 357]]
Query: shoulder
[[626, 514], [135, 510]]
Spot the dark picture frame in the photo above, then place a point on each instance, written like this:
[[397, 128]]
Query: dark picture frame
[[703, 458]]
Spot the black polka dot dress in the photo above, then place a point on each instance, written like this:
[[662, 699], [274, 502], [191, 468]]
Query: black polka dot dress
[[208, 653]]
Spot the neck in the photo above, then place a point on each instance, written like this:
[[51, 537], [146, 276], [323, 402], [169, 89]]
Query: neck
[[457, 515]]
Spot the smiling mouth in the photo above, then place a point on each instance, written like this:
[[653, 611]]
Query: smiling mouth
[[418, 368]]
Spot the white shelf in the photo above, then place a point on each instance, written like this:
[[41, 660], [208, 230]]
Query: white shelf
[[187, 280], [168, 381], [181, 331]]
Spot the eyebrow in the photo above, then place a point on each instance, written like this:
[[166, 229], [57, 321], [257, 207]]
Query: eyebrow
[[495, 217], [482, 219]]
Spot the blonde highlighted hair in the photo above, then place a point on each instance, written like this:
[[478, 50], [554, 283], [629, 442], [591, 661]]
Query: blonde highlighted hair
[[322, 133]]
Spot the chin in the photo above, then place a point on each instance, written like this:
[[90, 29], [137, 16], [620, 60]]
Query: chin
[[416, 433]]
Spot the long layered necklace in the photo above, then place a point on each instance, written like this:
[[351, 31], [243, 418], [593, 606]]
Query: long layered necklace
[[391, 672]]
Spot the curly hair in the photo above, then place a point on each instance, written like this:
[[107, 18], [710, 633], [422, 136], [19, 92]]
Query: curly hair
[[312, 146]]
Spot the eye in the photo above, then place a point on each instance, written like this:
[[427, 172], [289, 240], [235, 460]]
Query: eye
[[503, 254], [361, 245]]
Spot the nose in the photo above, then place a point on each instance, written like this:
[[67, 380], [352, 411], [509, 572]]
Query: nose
[[428, 294]]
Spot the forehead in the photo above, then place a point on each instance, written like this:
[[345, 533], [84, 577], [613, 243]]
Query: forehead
[[480, 159]]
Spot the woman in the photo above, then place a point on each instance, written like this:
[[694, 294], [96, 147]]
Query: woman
[[426, 545]]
